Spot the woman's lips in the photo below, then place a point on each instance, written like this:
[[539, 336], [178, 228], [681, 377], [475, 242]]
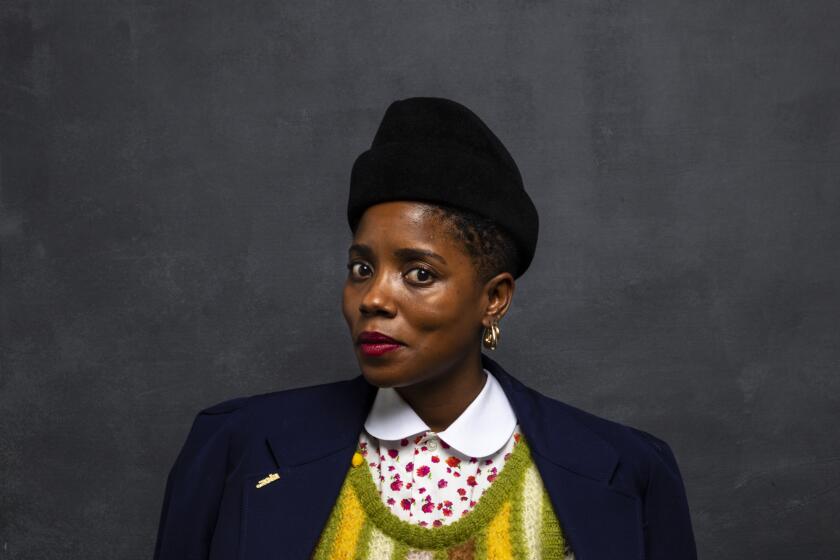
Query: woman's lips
[[375, 343], [377, 348]]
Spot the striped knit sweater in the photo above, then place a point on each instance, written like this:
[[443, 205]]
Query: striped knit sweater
[[513, 519]]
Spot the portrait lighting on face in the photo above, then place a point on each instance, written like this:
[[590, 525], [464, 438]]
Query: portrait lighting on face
[[412, 299]]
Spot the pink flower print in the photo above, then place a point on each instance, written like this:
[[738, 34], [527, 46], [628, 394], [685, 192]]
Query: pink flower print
[[427, 507], [491, 477], [403, 442], [442, 483], [422, 471], [471, 481], [391, 501], [416, 451], [437, 523], [488, 462], [456, 474], [396, 485], [448, 469], [424, 448], [421, 490], [408, 486], [465, 512], [435, 459], [406, 504], [391, 468], [472, 503], [423, 524], [447, 512], [462, 491], [393, 453], [444, 444], [473, 460], [409, 466], [453, 461]]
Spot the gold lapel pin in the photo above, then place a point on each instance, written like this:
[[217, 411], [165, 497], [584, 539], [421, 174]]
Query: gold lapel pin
[[268, 480]]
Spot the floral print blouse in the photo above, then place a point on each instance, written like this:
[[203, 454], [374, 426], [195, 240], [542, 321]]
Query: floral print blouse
[[430, 478], [424, 480]]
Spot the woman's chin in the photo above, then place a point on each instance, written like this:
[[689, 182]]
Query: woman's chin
[[381, 377], [386, 375]]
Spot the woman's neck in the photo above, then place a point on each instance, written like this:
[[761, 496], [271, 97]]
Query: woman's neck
[[441, 400]]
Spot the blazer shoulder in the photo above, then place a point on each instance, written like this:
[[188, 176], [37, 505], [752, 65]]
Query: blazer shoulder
[[647, 470], [640, 452], [226, 406], [281, 401]]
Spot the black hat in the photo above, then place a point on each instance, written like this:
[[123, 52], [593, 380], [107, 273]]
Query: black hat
[[436, 150]]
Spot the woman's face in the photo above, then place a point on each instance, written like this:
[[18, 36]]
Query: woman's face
[[409, 280]]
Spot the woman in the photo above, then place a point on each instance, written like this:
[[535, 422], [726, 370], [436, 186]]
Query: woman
[[434, 451]]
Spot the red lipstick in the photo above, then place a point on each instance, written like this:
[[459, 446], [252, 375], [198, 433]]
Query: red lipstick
[[374, 343]]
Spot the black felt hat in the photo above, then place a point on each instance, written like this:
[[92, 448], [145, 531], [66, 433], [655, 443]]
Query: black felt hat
[[436, 150]]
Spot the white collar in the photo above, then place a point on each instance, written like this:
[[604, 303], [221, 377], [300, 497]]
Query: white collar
[[482, 429]]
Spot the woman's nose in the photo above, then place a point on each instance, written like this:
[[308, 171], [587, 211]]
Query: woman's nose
[[378, 298]]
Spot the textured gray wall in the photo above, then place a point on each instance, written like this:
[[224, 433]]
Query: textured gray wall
[[173, 181]]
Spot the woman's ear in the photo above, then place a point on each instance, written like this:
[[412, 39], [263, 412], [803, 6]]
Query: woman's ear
[[498, 293]]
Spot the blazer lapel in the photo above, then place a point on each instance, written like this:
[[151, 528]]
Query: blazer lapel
[[312, 447], [576, 466]]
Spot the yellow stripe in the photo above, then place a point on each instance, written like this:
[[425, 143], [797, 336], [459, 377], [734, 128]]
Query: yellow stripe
[[351, 519], [380, 547], [551, 536], [532, 512], [498, 535]]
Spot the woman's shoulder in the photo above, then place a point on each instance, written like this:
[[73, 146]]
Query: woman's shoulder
[[254, 413], [282, 395], [639, 451], [632, 461]]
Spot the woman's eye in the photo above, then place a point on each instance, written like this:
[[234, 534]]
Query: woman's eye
[[421, 275], [358, 269]]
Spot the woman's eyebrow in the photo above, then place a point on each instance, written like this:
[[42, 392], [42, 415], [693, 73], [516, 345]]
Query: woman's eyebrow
[[363, 250], [407, 253], [410, 253]]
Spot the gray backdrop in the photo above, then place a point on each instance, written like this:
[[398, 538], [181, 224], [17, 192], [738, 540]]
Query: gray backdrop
[[174, 176]]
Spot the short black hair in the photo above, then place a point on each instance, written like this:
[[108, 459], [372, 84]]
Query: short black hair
[[491, 248]]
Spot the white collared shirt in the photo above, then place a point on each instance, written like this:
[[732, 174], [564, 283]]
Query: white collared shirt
[[430, 478]]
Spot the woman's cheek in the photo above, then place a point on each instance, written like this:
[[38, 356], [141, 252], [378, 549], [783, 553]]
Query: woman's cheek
[[430, 313]]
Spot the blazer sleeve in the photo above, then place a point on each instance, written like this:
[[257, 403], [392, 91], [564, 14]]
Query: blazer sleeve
[[194, 486], [668, 531]]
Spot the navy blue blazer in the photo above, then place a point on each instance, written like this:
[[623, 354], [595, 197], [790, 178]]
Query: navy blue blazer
[[616, 490]]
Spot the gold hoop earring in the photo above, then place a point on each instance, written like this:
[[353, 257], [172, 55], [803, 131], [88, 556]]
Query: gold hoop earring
[[491, 335]]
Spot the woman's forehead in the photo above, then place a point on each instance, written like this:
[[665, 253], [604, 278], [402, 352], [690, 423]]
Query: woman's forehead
[[414, 218], [405, 223]]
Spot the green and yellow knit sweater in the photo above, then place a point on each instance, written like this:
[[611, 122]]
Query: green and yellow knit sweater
[[513, 519]]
